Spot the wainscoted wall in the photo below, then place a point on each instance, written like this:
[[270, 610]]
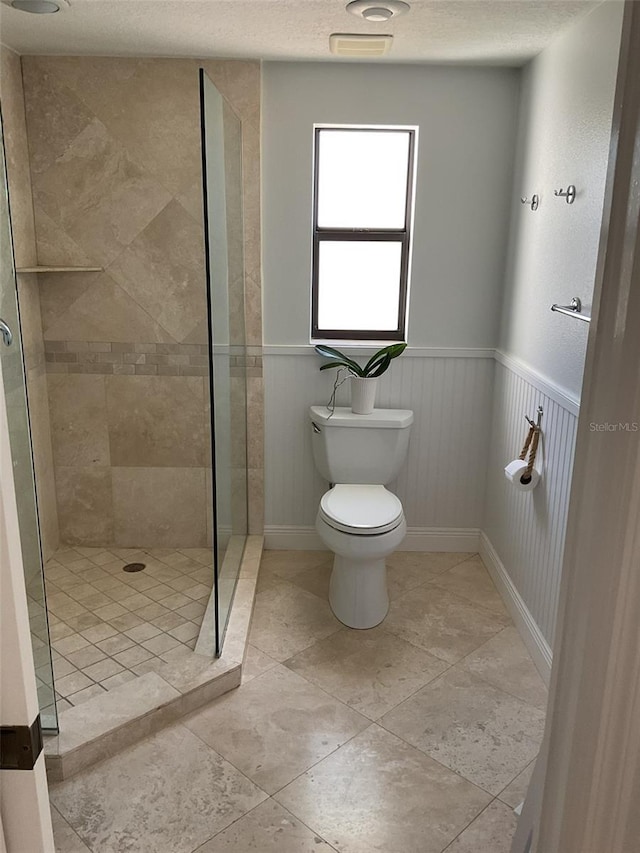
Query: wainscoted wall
[[524, 532], [116, 175], [565, 128], [442, 484], [19, 179]]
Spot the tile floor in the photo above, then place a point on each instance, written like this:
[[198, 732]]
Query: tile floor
[[109, 626], [417, 736]]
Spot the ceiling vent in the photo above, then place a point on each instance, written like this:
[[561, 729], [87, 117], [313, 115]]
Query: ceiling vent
[[359, 46]]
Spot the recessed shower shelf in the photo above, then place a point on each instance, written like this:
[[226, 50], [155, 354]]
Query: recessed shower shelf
[[59, 269]]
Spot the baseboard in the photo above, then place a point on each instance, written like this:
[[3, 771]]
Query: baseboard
[[441, 539], [525, 623], [289, 538], [282, 537]]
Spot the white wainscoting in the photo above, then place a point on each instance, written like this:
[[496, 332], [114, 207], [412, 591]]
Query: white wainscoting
[[442, 484], [525, 530], [469, 422]]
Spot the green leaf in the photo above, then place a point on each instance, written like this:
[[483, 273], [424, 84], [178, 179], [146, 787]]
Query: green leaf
[[341, 364], [392, 351], [384, 364], [340, 359]]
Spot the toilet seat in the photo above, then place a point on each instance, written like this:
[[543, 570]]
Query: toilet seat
[[362, 510]]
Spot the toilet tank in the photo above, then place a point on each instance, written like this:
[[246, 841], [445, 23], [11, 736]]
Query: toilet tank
[[349, 448]]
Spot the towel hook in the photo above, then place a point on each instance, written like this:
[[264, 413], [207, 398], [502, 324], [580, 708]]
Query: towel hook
[[538, 420], [534, 201], [569, 194]]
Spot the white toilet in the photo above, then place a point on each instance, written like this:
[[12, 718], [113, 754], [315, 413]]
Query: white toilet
[[358, 519]]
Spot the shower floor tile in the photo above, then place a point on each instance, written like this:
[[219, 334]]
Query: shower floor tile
[[122, 624]]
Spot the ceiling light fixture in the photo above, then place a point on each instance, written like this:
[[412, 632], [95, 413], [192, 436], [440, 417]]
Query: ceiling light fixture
[[36, 7], [377, 12]]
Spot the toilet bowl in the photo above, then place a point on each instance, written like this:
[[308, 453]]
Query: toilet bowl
[[361, 524], [358, 518]]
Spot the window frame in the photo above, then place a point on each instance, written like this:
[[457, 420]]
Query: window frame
[[394, 235]]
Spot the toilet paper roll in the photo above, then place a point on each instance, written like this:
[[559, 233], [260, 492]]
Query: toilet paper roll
[[514, 471]]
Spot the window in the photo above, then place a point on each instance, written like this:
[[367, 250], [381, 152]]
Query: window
[[362, 209]]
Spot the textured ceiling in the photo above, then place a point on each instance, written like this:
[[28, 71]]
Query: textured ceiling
[[473, 31]]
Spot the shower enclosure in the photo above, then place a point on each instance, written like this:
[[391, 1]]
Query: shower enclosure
[[15, 389], [149, 433]]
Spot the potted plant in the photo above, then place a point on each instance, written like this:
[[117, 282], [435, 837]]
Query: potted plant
[[364, 380]]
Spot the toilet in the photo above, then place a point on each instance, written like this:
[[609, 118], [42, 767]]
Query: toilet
[[358, 518]]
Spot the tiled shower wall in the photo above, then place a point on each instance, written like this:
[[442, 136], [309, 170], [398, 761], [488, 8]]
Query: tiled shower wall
[[19, 180], [116, 175]]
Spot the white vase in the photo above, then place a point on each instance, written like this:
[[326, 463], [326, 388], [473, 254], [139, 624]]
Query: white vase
[[363, 395]]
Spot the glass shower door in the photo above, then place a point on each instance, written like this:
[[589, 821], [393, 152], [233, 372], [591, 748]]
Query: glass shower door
[[14, 382], [224, 243]]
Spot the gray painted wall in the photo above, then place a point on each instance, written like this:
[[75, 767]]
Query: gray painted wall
[[467, 119], [565, 125]]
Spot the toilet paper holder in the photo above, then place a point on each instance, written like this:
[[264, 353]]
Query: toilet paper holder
[[538, 420]]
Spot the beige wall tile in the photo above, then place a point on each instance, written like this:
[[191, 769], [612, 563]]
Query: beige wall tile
[[256, 500], [85, 505], [98, 194], [15, 140], [105, 312], [163, 271], [22, 224], [116, 160], [156, 421], [159, 507], [78, 405]]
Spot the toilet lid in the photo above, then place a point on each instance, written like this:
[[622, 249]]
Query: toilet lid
[[361, 510]]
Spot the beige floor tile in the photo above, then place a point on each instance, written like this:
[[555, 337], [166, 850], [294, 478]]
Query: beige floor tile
[[315, 580], [84, 657], [184, 632], [168, 793], [104, 669], [255, 663], [516, 791], [113, 645], [168, 621], [116, 680], [72, 683], [288, 619], [275, 727], [159, 591], [448, 626], [62, 667], [84, 621], [285, 564], [65, 839], [129, 620], [483, 734], [269, 828], [110, 612], [160, 643], [99, 632], [408, 569], [136, 601], [267, 579], [491, 832], [379, 794], [472, 581], [133, 656], [70, 644], [85, 695], [142, 632], [504, 662], [371, 671]]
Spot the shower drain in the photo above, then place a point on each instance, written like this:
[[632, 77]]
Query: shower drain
[[134, 567]]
